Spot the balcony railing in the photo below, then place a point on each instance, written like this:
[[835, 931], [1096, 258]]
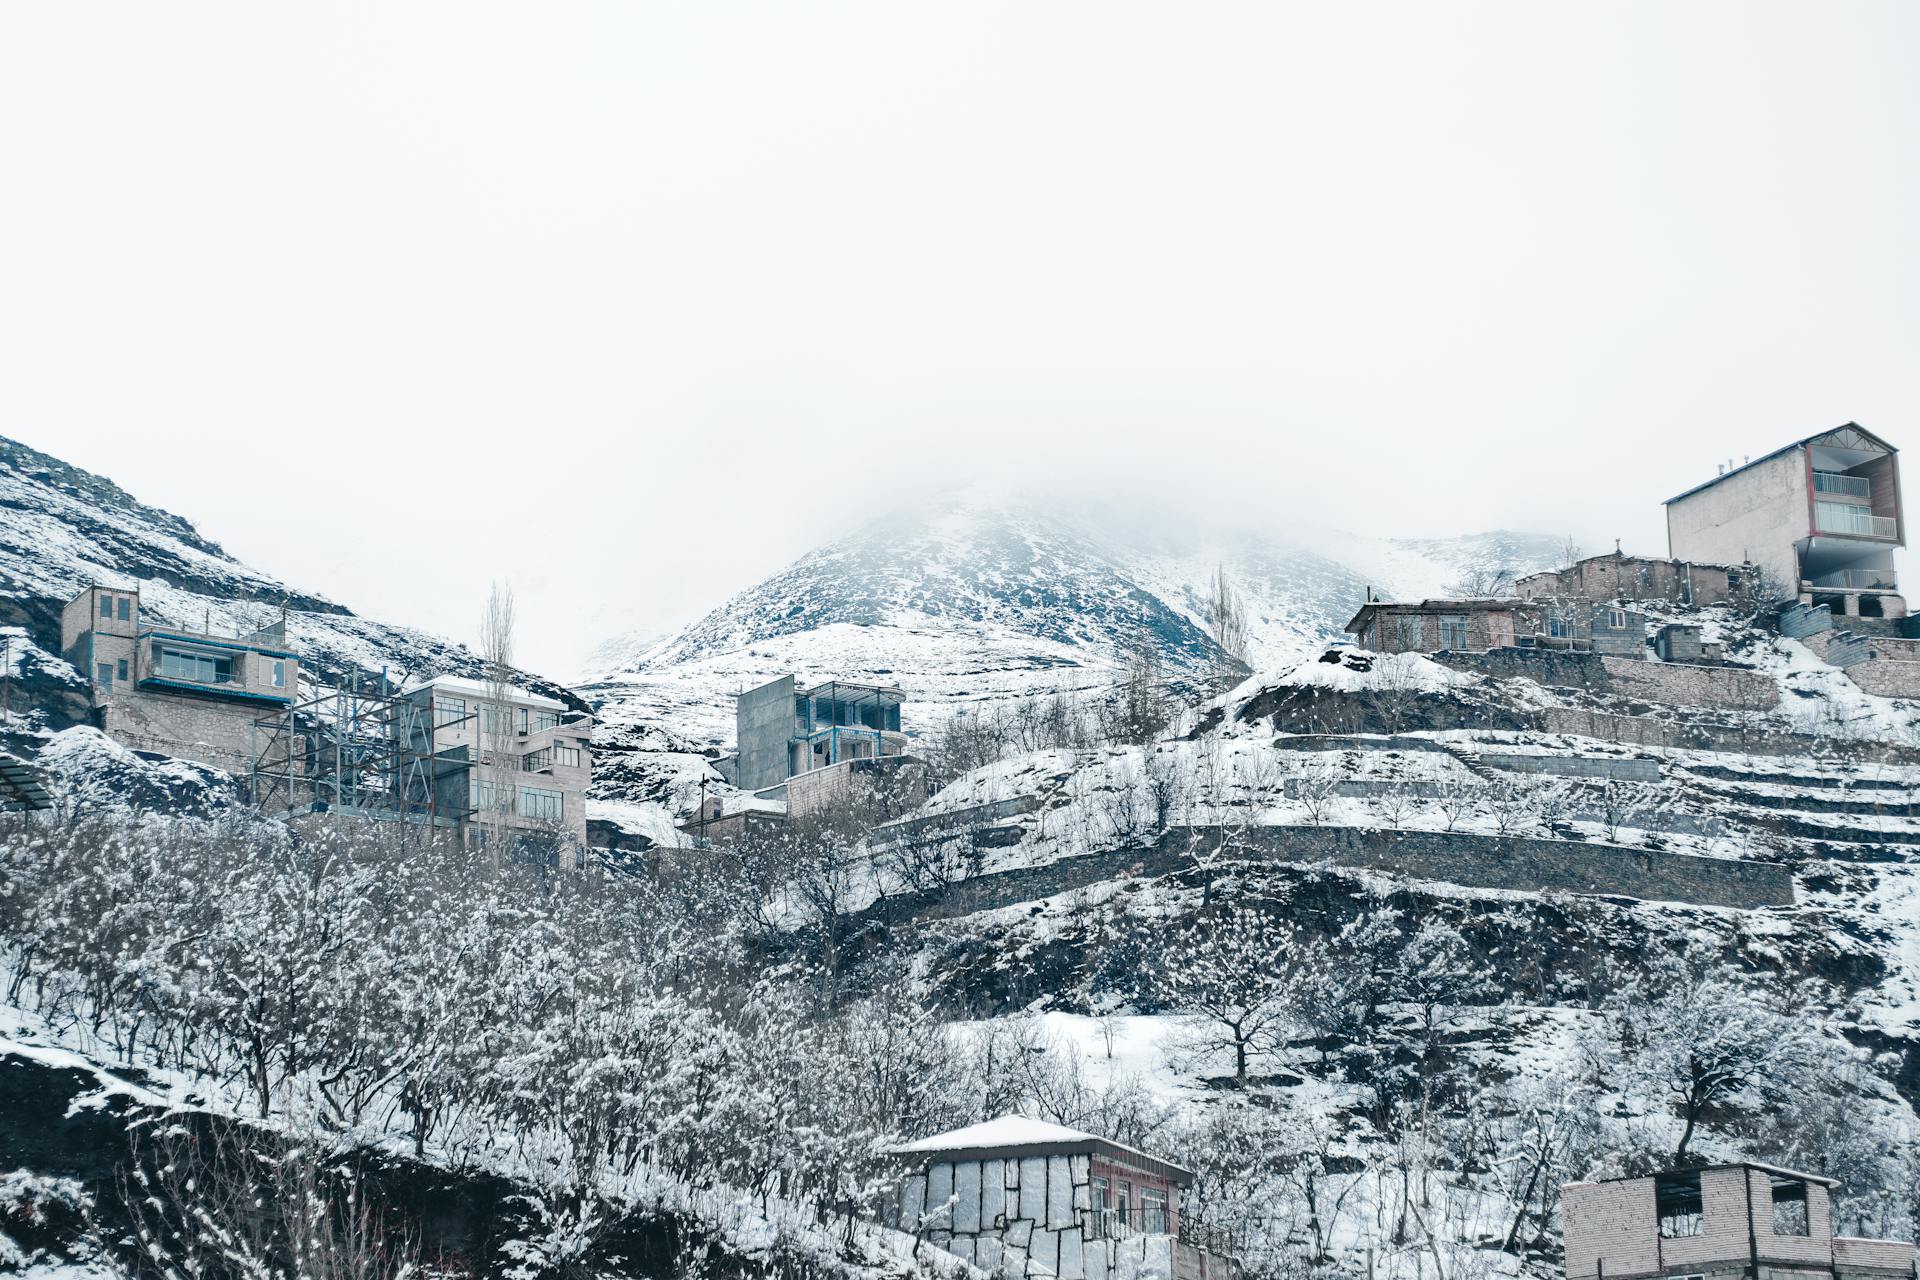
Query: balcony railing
[[1835, 482], [1854, 524], [1855, 580]]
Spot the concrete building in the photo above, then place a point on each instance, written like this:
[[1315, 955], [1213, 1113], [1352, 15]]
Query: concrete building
[[187, 694], [531, 758], [1472, 626], [1820, 517], [1021, 1197], [1636, 578], [1745, 1221], [783, 730]]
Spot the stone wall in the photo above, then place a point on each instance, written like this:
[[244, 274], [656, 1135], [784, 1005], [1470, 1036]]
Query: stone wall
[[1687, 685], [1627, 769], [199, 729], [1524, 864], [1647, 732]]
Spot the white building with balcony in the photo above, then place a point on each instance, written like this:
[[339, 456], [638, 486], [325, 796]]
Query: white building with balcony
[[1822, 517]]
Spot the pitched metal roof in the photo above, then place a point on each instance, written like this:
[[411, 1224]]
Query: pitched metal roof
[[1017, 1137], [1785, 448], [20, 787]]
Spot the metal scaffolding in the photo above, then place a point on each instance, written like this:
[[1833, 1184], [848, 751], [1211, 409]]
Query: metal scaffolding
[[362, 748]]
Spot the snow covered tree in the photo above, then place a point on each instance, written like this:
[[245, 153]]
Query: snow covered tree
[[1690, 1031], [1235, 972]]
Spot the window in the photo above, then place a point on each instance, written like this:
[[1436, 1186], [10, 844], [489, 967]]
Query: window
[[103, 676], [1408, 632], [1102, 1216], [1153, 1210], [126, 607], [1560, 626], [520, 718], [566, 755], [120, 671], [545, 720], [446, 711], [1453, 632], [538, 802], [1616, 619], [199, 668], [1123, 1206], [493, 718], [1676, 1200], [279, 675], [1789, 1207], [106, 606]]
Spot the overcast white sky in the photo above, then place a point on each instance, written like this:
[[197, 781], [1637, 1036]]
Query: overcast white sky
[[633, 303]]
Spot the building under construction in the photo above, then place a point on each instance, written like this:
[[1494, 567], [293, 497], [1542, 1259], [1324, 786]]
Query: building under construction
[[366, 749], [488, 760]]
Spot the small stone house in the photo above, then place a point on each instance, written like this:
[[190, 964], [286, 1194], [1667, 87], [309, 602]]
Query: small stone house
[[1027, 1198], [1727, 1222]]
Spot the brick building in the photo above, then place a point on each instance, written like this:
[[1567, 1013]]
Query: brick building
[[1474, 626], [1023, 1197], [1624, 577], [188, 694], [1746, 1221]]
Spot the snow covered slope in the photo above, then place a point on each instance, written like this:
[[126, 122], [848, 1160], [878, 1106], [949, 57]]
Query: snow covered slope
[[988, 599], [62, 528]]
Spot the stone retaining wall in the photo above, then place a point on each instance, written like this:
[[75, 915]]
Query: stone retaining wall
[[1477, 861], [1688, 685], [1647, 732], [1629, 769]]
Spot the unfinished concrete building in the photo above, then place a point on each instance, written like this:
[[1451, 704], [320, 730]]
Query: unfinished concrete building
[[802, 751], [1726, 1222], [1020, 1197], [1820, 517], [193, 695]]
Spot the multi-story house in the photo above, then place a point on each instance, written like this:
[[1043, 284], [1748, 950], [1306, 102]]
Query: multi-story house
[[188, 694], [1724, 1222], [1820, 517], [531, 759], [783, 730], [1020, 1197]]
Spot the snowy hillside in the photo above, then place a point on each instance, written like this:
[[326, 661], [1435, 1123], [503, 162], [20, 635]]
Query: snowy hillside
[[65, 528], [985, 600]]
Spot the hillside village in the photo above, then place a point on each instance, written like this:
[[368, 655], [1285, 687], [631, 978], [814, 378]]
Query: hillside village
[[1595, 872]]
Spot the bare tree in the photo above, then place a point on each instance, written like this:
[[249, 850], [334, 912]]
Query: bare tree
[[1140, 710], [211, 1199], [1226, 616], [1316, 788], [499, 763]]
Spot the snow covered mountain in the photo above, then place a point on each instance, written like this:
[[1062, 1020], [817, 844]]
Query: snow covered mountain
[[980, 600]]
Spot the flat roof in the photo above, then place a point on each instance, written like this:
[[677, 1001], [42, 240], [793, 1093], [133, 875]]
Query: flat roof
[[1483, 604], [1769, 457], [849, 690], [1773, 1170], [20, 787], [482, 689]]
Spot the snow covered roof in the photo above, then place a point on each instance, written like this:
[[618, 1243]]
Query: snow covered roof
[[1770, 1169], [1020, 1136], [481, 689]]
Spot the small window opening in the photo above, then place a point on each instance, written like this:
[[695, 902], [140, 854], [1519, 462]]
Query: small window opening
[[125, 606], [1789, 1207], [1676, 1200], [106, 606]]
